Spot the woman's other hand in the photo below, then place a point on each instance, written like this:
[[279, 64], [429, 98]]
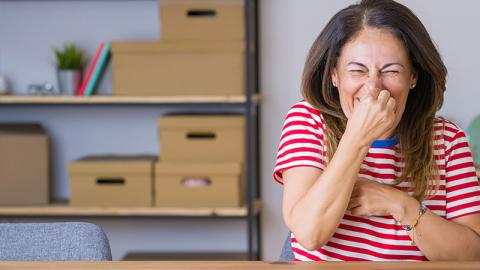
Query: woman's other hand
[[370, 198]]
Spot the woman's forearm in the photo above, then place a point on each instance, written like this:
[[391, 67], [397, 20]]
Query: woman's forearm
[[314, 218], [438, 238]]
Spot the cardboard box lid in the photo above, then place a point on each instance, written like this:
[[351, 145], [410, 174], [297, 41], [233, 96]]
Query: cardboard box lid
[[202, 121], [177, 46], [21, 129], [200, 3], [113, 164], [185, 168]]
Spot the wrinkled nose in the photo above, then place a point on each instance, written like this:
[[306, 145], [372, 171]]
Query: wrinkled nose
[[374, 81], [373, 84]]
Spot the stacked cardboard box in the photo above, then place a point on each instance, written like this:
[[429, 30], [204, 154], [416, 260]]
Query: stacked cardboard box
[[201, 52], [112, 181], [201, 161], [24, 164]]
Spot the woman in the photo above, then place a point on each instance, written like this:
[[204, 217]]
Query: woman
[[369, 172]]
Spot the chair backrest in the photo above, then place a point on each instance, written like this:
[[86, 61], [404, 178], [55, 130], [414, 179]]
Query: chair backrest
[[53, 241], [287, 253]]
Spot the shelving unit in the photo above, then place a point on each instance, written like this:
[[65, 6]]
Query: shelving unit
[[62, 100], [249, 104], [62, 209]]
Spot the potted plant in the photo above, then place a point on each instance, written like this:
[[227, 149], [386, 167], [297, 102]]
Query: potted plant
[[70, 62]]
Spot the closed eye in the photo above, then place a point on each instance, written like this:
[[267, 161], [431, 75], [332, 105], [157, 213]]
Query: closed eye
[[357, 71]]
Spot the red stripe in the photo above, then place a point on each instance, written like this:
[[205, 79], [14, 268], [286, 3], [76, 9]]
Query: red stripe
[[373, 243], [382, 166], [461, 186], [462, 176], [309, 109], [462, 206], [301, 151], [466, 214], [376, 254], [340, 256], [298, 141], [302, 132], [306, 254], [374, 233], [300, 158], [373, 223], [464, 196], [301, 123], [460, 166], [385, 156], [460, 155]]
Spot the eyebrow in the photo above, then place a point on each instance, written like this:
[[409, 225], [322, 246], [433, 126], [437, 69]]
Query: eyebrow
[[384, 66]]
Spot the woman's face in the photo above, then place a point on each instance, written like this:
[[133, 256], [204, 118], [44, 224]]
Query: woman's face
[[373, 59]]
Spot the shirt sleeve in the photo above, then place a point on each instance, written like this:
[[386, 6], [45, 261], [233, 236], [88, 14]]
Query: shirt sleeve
[[462, 188], [302, 140]]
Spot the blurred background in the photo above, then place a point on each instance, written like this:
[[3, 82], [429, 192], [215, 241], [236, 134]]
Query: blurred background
[[29, 30]]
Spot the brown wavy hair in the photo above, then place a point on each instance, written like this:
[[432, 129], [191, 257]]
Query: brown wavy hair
[[415, 129]]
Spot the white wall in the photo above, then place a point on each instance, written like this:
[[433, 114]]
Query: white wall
[[288, 29], [28, 30]]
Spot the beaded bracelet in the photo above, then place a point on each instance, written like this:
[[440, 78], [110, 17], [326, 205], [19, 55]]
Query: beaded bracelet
[[423, 210]]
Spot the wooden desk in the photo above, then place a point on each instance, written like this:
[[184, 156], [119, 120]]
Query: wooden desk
[[124, 265]]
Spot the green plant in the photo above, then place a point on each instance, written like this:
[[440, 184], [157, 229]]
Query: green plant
[[70, 57]]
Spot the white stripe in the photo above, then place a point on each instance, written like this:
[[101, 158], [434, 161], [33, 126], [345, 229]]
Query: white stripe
[[375, 238], [355, 254], [371, 227], [458, 172], [463, 201], [299, 163], [463, 211], [302, 128], [462, 191], [460, 161], [300, 154], [290, 146], [375, 249]]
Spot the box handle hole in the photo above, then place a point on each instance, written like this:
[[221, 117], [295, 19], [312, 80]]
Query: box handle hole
[[199, 13], [196, 182], [111, 181], [201, 135]]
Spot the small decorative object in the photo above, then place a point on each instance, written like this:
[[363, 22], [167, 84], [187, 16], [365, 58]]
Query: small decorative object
[[70, 63], [45, 89], [4, 90]]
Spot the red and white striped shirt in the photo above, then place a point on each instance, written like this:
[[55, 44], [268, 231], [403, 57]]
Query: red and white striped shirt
[[379, 238]]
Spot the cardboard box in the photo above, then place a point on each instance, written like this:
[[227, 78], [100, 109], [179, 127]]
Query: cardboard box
[[24, 164], [202, 20], [202, 138], [199, 185], [112, 181], [178, 68]]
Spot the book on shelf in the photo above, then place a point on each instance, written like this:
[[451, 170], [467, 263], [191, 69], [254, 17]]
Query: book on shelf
[[88, 75], [98, 70]]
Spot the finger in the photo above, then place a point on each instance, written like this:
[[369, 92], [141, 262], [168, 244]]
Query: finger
[[353, 203], [383, 97], [367, 92], [372, 92], [391, 104], [357, 211]]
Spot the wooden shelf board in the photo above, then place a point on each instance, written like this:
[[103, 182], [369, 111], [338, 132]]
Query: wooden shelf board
[[124, 99], [63, 209]]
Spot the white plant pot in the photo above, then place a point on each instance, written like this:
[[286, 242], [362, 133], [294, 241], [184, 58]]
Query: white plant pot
[[69, 81]]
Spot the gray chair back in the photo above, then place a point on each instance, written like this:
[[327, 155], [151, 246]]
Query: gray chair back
[[287, 253], [63, 241]]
